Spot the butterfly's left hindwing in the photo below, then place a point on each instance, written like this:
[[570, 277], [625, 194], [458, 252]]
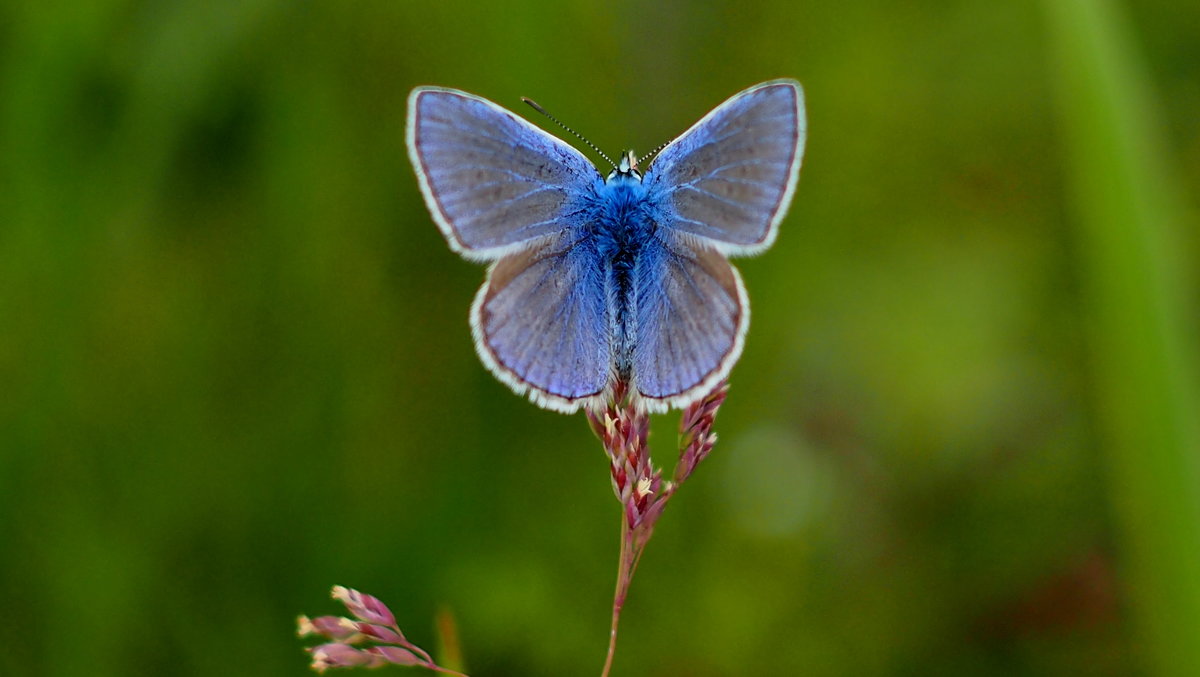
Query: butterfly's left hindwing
[[541, 322], [492, 181]]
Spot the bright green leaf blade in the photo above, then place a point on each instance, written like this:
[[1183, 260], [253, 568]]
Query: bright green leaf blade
[[1143, 361]]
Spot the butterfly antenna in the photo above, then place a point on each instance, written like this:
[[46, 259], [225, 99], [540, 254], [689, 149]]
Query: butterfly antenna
[[534, 105], [649, 157]]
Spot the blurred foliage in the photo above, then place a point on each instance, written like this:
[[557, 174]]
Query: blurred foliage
[[236, 368], [1141, 333]]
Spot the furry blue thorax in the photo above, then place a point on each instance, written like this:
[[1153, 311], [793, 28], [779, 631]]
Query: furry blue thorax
[[622, 217]]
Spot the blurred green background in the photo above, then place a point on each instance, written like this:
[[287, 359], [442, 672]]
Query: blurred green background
[[235, 367]]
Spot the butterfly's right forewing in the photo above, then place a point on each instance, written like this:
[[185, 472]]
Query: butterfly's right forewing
[[730, 177], [493, 182]]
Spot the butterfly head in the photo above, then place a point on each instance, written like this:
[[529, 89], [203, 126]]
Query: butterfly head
[[628, 167]]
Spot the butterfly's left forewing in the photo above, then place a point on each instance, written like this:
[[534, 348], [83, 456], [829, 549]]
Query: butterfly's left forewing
[[493, 182]]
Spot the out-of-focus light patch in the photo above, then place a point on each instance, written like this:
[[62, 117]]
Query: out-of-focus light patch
[[775, 484]]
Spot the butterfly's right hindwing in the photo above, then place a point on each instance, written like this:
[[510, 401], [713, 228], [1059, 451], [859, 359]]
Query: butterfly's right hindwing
[[493, 182], [692, 315]]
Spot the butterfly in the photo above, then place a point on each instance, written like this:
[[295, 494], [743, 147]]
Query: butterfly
[[619, 282]]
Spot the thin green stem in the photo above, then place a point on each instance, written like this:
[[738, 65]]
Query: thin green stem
[[624, 576]]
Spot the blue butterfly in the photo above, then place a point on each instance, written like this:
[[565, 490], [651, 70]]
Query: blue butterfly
[[598, 280]]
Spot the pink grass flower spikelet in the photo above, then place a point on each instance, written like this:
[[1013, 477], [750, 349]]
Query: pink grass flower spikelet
[[369, 640], [696, 438], [394, 655], [333, 627], [364, 607], [338, 655]]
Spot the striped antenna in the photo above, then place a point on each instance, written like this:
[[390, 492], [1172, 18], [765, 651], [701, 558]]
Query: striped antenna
[[649, 157], [533, 104]]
